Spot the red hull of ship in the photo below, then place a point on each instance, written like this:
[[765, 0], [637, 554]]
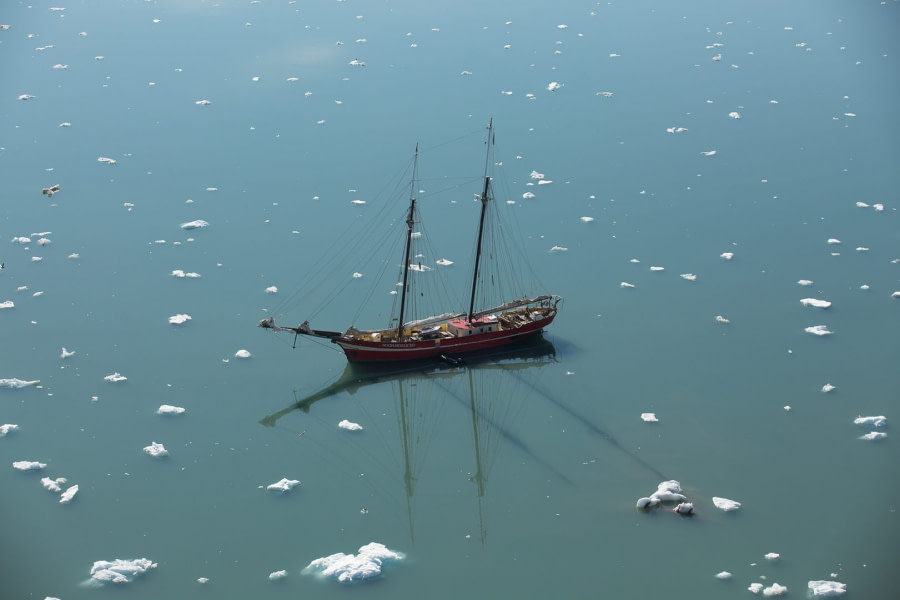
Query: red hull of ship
[[362, 351]]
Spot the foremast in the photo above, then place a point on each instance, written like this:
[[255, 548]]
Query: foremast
[[410, 222]]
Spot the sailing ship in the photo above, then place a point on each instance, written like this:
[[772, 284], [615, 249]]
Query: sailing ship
[[449, 335]]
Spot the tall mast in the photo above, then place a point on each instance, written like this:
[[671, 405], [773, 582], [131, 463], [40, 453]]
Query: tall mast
[[485, 197], [410, 221]]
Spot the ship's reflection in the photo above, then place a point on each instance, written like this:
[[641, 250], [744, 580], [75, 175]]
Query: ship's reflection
[[489, 387]]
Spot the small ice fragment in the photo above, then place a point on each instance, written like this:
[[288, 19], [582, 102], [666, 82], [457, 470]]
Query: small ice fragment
[[723, 575], [284, 485], [827, 588], [357, 275], [195, 224], [15, 383], [358, 202], [8, 427], [647, 503], [805, 282], [68, 495], [689, 276], [755, 587], [772, 556], [734, 115], [874, 435], [203, 580], [776, 589], [819, 330], [708, 152], [656, 269], [271, 290], [120, 571], [649, 417], [625, 284], [879, 421], [11, 304], [444, 262], [726, 504], [347, 568], [587, 219], [179, 319], [156, 450], [167, 409], [834, 241], [242, 354], [684, 508], [109, 161], [815, 302], [727, 255], [350, 426], [115, 378], [66, 353], [827, 388], [276, 575], [53, 485], [202, 102], [553, 86], [28, 465], [558, 249], [721, 319], [527, 195]]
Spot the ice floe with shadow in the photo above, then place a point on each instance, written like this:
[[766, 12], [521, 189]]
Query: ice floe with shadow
[[167, 409], [16, 383], [28, 465], [284, 485], [156, 450], [119, 571], [826, 588], [367, 564]]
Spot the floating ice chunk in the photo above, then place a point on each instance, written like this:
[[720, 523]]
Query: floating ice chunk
[[528, 195], [15, 383], [545, 181], [242, 354], [357, 63], [874, 435], [721, 319], [284, 485], [444, 262], [109, 161], [26, 97], [167, 409], [805, 282], [53, 485], [7, 304], [202, 580], [772, 556], [755, 587], [684, 508], [68, 494], [879, 421], [553, 86], [202, 102], [120, 571], [625, 284], [115, 378], [605, 94], [656, 269], [709, 152], [826, 588], [156, 450], [28, 465], [689, 276], [726, 504], [276, 575], [815, 302], [776, 589], [65, 124], [862, 205], [536, 175], [357, 275], [21, 240], [558, 249], [827, 388], [668, 491], [819, 330], [894, 295], [878, 207], [587, 219], [723, 575], [271, 290], [727, 255], [649, 417], [834, 241], [181, 274], [347, 568], [350, 426], [647, 503], [734, 115], [49, 191], [358, 202], [8, 427], [195, 224], [179, 319]]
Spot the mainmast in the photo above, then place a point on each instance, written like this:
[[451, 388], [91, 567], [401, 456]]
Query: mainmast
[[485, 197], [410, 221]]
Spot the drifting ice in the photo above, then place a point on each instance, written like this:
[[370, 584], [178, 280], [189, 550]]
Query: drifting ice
[[347, 568]]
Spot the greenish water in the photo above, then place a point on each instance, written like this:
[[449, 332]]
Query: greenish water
[[516, 476]]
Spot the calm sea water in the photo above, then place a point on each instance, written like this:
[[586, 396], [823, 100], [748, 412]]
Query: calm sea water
[[511, 477]]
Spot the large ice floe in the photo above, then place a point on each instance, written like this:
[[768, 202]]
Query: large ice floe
[[815, 302], [667, 492], [199, 223], [15, 383], [826, 588], [167, 409], [284, 485], [726, 504], [350, 568], [28, 465], [119, 571], [156, 450]]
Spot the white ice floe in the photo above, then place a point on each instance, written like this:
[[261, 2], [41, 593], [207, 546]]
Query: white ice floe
[[195, 224], [709, 152], [272, 289], [66, 353], [834, 241], [676, 129], [156, 450], [587, 219], [444, 262], [689, 276], [668, 491], [115, 378], [109, 161], [879, 421], [276, 575], [528, 195], [202, 102], [120, 571], [167, 409], [349, 425], [649, 417], [657, 269], [721, 319], [805, 282], [826, 588], [242, 353], [873, 435], [7, 304], [727, 255], [179, 319], [726, 504], [348, 568], [181, 274], [68, 495], [53, 485], [7, 428], [827, 388], [284, 485], [625, 284], [815, 302], [558, 249], [647, 503], [357, 275], [28, 465], [723, 575], [553, 86], [772, 556], [734, 115], [819, 330], [684, 508], [15, 383], [755, 587], [776, 589], [21, 239]]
